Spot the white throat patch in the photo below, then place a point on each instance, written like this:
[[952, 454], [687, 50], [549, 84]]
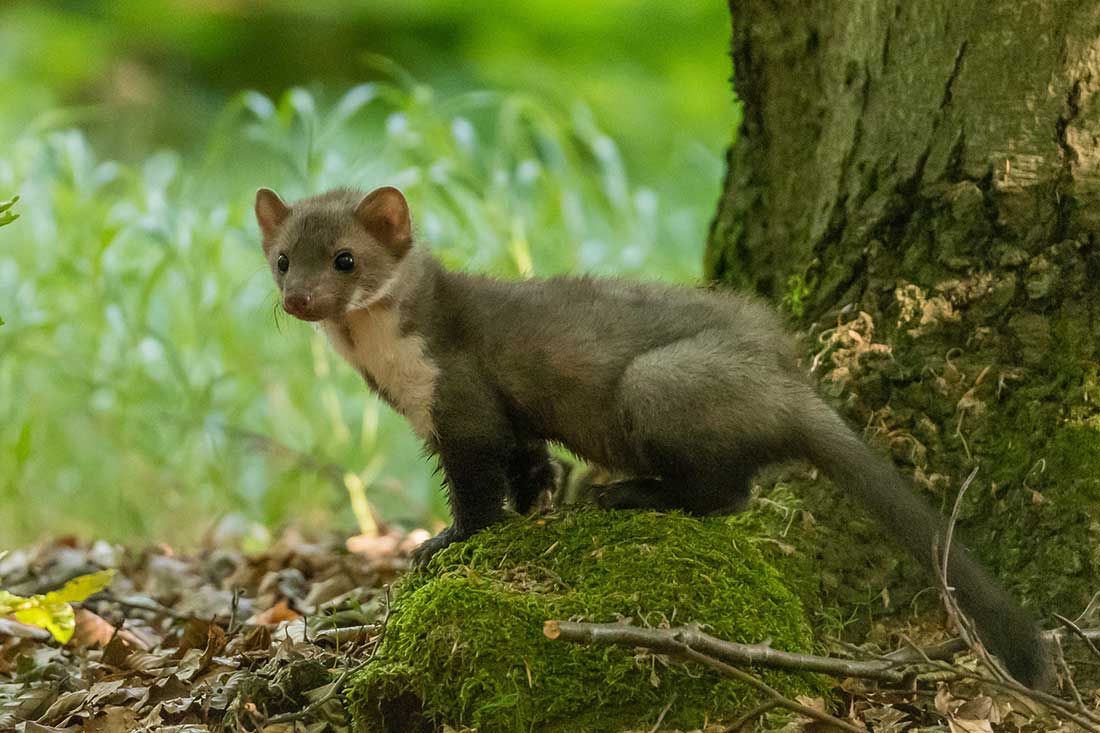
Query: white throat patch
[[372, 342]]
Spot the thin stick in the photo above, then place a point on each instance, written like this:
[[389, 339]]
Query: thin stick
[[1079, 633], [780, 699], [1069, 678], [675, 644], [955, 614], [756, 712], [140, 603], [664, 712], [673, 640]]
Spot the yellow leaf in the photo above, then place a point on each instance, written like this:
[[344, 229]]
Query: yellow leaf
[[51, 611], [80, 588], [9, 602], [58, 619]]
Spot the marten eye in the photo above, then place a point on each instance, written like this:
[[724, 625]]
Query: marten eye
[[344, 262], [283, 263]]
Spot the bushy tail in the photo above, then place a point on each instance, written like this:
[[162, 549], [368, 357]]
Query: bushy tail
[[1005, 628]]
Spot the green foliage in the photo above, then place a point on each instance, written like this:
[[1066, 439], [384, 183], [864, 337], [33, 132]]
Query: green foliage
[[465, 636], [145, 73], [7, 215], [167, 387], [799, 288]]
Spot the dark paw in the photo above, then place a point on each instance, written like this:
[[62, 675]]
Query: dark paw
[[534, 492], [639, 493], [610, 497], [424, 551]]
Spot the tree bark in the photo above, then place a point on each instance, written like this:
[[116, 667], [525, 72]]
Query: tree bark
[[918, 182]]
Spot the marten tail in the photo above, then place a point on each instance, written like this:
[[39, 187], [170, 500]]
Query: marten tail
[[1004, 627]]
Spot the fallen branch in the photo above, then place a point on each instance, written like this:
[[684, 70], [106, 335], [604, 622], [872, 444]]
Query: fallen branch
[[903, 665], [673, 641], [671, 644]]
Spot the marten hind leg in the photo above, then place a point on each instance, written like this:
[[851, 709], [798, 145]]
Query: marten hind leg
[[531, 471], [704, 414], [724, 494], [633, 493]]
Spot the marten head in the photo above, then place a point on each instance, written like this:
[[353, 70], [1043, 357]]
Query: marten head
[[336, 252]]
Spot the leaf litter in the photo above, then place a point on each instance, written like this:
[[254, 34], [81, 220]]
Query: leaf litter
[[215, 640], [223, 640]]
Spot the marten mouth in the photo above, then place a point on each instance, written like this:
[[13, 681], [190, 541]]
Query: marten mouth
[[305, 309], [311, 317]]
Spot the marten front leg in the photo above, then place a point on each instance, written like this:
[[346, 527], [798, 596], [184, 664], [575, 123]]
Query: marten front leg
[[474, 443]]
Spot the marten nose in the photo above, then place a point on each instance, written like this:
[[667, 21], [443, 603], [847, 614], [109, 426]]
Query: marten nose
[[296, 304]]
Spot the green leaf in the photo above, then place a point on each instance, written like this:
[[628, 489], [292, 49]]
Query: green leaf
[[7, 216]]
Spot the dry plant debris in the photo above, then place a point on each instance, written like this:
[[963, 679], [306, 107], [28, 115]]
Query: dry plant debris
[[224, 640], [218, 640]]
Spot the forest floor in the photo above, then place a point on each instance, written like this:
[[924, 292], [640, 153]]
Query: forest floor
[[264, 641]]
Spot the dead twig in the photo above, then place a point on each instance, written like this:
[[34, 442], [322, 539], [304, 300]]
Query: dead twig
[[664, 712], [690, 642], [915, 655], [345, 634], [776, 696], [672, 641], [955, 614], [756, 712], [143, 603], [1080, 633], [1075, 711], [672, 644]]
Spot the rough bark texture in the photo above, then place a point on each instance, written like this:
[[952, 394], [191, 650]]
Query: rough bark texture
[[918, 182]]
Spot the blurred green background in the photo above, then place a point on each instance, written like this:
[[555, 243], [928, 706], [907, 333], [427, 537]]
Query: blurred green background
[[149, 388]]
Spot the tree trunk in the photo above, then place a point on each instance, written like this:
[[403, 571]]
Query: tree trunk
[[918, 182]]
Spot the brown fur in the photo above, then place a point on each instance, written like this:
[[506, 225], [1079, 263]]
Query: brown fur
[[688, 392]]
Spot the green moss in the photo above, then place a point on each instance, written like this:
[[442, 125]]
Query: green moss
[[1043, 535], [465, 638]]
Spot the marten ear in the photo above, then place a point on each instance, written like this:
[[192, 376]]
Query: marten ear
[[271, 212], [384, 213]]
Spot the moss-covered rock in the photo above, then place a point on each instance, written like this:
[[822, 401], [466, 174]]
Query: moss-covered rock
[[464, 643]]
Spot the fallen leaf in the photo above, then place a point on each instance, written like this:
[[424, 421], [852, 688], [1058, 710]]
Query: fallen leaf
[[51, 611], [963, 725], [91, 629], [275, 615], [115, 719]]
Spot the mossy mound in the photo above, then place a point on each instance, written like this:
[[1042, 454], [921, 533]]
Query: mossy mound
[[464, 643]]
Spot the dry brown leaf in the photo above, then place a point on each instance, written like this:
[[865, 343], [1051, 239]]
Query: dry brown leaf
[[33, 727], [275, 615], [65, 705], [117, 652], [978, 708], [946, 703], [114, 719], [963, 725], [91, 630]]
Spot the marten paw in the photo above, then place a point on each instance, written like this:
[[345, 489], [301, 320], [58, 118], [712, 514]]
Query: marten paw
[[424, 551]]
